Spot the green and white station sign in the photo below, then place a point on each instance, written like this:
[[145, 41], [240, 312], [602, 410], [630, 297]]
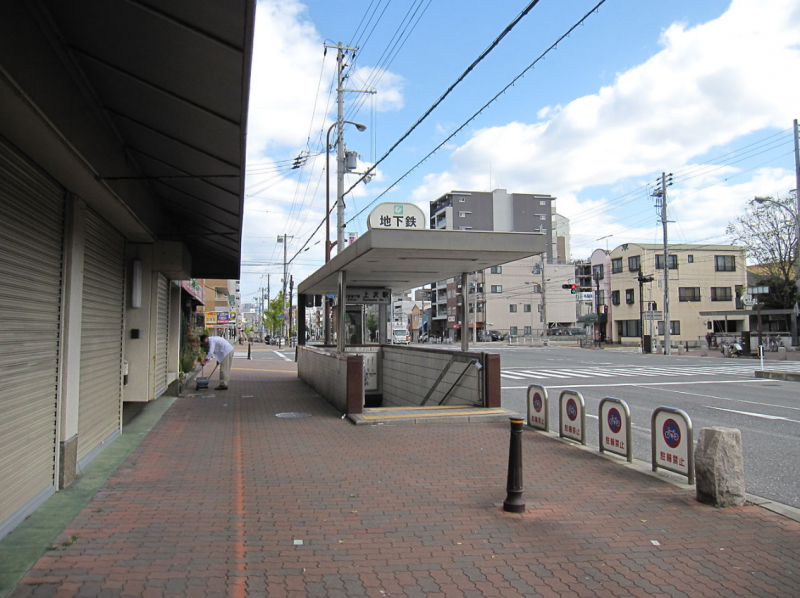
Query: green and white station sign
[[401, 216]]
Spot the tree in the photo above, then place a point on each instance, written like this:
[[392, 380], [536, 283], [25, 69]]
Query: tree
[[272, 319], [768, 232], [372, 324]]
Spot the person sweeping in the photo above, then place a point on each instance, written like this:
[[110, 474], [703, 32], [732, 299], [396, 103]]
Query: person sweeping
[[221, 350]]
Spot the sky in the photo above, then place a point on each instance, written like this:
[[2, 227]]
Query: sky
[[705, 90]]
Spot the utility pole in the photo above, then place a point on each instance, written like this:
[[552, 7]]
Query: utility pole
[[797, 213], [285, 240], [642, 279], [661, 194]]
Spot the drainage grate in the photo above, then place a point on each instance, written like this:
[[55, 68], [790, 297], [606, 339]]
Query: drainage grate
[[292, 415]]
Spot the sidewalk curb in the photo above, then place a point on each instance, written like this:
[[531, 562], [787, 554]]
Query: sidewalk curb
[[645, 468]]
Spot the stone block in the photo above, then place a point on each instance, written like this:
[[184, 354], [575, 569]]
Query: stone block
[[719, 467], [782, 353]]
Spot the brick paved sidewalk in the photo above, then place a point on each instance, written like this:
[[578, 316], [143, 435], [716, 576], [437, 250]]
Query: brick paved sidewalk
[[223, 498]]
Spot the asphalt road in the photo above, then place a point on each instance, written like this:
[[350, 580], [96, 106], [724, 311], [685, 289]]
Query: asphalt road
[[714, 392]]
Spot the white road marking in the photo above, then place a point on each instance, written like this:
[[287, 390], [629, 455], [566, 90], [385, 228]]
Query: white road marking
[[751, 414], [601, 385]]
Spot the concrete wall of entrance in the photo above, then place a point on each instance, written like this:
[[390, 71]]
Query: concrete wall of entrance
[[407, 376]]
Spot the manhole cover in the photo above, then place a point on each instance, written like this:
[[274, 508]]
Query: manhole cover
[[292, 415]]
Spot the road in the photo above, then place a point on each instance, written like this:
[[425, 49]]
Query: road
[[714, 392]]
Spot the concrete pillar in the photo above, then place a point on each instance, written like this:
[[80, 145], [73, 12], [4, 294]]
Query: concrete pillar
[[719, 467]]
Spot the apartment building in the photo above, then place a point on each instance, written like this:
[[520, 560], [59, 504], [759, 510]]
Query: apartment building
[[512, 297], [702, 278]]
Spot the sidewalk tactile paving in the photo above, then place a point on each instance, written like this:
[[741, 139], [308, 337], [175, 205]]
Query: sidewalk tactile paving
[[213, 500]]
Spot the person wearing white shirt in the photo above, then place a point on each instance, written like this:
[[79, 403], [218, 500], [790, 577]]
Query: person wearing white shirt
[[221, 350]]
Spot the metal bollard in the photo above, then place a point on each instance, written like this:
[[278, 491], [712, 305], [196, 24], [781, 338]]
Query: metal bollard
[[249, 348], [514, 502]]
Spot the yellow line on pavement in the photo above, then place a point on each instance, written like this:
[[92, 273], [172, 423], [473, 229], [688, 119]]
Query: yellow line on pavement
[[258, 370], [437, 414]]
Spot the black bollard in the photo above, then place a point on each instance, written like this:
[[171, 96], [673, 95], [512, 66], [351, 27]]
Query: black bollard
[[514, 502], [249, 348]]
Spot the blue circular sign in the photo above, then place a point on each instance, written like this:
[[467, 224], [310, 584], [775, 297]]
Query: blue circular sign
[[614, 420], [572, 410], [672, 433], [537, 402]]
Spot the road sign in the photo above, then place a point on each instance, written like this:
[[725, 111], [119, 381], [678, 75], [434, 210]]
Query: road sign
[[654, 315]]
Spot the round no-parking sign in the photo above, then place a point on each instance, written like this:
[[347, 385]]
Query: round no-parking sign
[[671, 429]]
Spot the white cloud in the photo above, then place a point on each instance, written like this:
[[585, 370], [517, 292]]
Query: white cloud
[[709, 85]]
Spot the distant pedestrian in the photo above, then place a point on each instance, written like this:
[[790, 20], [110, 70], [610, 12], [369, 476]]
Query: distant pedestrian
[[709, 339], [221, 350]]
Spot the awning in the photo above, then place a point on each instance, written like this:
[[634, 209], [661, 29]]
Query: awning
[[405, 259]]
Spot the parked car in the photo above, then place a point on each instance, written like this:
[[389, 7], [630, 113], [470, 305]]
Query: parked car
[[495, 335]]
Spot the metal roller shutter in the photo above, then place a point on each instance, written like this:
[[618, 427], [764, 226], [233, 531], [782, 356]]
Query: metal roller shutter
[[31, 246], [162, 335], [101, 334]]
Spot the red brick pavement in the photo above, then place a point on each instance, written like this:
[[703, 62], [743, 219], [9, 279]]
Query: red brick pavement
[[223, 498]]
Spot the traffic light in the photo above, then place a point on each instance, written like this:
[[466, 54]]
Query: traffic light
[[572, 287]]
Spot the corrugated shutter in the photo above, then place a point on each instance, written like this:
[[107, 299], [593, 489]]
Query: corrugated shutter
[[162, 335], [101, 334], [31, 246]]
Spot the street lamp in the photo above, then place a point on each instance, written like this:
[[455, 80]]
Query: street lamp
[[340, 181]]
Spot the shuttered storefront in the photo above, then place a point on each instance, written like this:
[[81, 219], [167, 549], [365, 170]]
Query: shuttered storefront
[[162, 335], [31, 246], [101, 335]]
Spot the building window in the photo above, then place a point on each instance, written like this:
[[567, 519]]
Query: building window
[[513, 331], [463, 214], [497, 269], [616, 265], [688, 293], [690, 257], [464, 228], [629, 296], [497, 288], [721, 294], [597, 272], [601, 297], [614, 297], [725, 263], [512, 308], [462, 199], [672, 262], [629, 328], [542, 217], [674, 327], [526, 308], [542, 202], [527, 330], [634, 263]]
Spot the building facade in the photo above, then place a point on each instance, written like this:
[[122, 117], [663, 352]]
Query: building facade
[[511, 298], [111, 206], [702, 278]]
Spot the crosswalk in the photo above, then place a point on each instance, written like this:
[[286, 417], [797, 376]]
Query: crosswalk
[[746, 369]]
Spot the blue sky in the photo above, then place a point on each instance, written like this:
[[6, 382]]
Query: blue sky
[[705, 90]]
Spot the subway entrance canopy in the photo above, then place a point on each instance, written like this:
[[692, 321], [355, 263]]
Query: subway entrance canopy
[[405, 259]]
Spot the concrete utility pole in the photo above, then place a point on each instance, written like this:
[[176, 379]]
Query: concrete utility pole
[[285, 240], [339, 149], [662, 195], [797, 200]]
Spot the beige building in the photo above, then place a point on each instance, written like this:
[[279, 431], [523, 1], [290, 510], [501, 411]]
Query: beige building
[[702, 278]]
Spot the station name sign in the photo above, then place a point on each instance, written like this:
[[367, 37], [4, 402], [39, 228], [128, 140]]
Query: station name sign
[[400, 216], [357, 296]]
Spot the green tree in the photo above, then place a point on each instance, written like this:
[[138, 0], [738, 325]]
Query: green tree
[[272, 319], [767, 230], [372, 325]]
